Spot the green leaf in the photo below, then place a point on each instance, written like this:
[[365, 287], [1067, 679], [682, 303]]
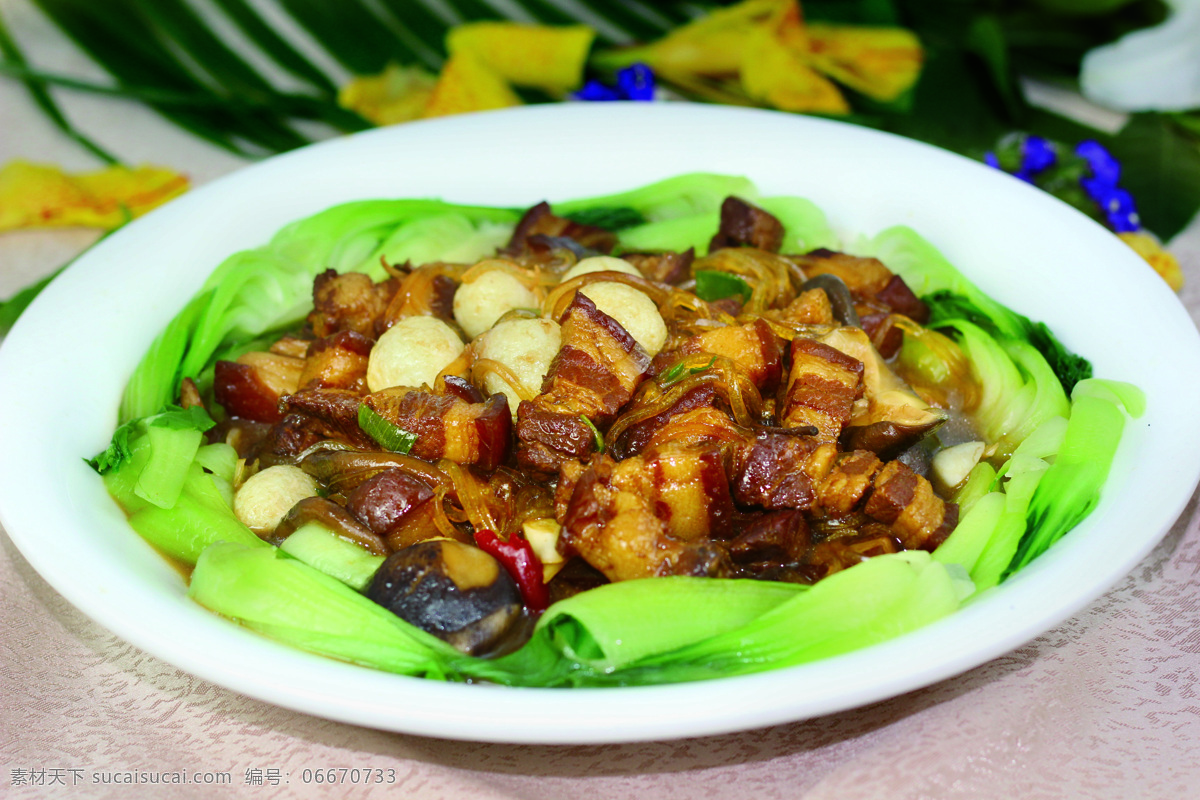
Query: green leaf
[[275, 46], [37, 89], [611, 218], [12, 308], [1161, 169], [713, 285], [852, 12], [268, 591], [389, 435], [680, 371], [1070, 489], [118, 451], [351, 32], [986, 39]]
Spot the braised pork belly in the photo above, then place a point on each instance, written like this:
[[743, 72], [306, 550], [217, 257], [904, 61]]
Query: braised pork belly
[[766, 438]]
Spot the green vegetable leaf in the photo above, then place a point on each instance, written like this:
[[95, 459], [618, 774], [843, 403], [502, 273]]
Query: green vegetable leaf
[[1070, 368], [14, 307], [713, 285], [182, 419], [268, 591], [1071, 486], [1161, 163], [612, 218], [171, 418], [118, 451], [389, 435]]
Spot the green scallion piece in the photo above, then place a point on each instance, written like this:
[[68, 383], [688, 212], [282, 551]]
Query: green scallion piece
[[680, 371], [389, 435], [595, 432]]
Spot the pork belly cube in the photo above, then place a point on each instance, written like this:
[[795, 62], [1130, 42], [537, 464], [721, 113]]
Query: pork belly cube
[[864, 277], [653, 514], [778, 470], [349, 302], [812, 307], [595, 372], [746, 225], [539, 221], [847, 484], [822, 386], [904, 500], [337, 362], [754, 348], [447, 426]]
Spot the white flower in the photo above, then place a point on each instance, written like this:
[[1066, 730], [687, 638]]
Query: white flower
[[1154, 69]]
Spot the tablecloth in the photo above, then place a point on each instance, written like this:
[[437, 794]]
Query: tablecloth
[[1105, 706]]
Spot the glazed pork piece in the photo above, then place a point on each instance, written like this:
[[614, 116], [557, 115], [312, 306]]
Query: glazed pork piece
[[594, 373], [651, 514], [447, 426], [753, 347]]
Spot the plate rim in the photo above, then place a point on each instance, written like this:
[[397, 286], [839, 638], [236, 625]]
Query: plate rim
[[48, 560]]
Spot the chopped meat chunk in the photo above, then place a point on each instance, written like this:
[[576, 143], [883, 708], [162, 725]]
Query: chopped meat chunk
[[754, 348], [744, 225], [822, 386], [780, 537], [904, 500], [333, 411], [384, 501], [539, 221], [847, 484], [651, 514], [899, 298], [638, 436], [864, 277], [337, 362], [447, 426], [670, 268], [349, 302], [594, 373], [780, 470], [426, 291], [243, 394], [812, 307]]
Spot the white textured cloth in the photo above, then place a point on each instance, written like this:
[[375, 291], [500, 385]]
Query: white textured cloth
[[1105, 706]]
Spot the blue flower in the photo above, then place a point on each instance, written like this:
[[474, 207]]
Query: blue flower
[[635, 82], [1118, 207], [1037, 155], [1106, 170], [1115, 203], [595, 91]]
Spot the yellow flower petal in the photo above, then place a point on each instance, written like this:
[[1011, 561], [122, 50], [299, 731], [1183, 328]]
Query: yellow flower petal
[[546, 58], [40, 195], [398, 94], [1163, 262], [713, 45], [777, 74], [465, 84], [879, 62]]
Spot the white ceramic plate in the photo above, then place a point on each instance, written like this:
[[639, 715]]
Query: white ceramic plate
[[63, 368]]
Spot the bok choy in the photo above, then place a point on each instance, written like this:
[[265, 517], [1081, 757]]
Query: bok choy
[[1054, 433]]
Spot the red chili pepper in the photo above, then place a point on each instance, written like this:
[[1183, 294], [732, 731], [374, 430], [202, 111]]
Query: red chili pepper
[[517, 556]]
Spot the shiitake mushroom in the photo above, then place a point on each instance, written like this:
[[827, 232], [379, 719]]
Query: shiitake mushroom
[[454, 591]]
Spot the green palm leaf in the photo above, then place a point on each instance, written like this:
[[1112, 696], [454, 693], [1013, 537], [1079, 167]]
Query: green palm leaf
[[166, 54]]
